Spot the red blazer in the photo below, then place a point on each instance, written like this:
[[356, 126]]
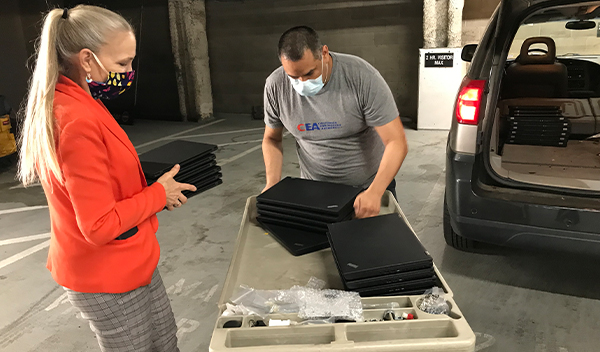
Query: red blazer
[[104, 195]]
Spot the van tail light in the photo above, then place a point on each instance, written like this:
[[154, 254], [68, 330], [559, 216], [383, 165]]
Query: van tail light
[[469, 101]]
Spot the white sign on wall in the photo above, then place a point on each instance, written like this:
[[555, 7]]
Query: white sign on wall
[[440, 73]]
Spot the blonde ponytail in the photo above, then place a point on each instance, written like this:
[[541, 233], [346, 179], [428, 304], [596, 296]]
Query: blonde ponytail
[[37, 138], [84, 27]]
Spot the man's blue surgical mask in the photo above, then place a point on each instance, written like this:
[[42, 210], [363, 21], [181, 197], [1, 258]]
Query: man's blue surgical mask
[[310, 87]]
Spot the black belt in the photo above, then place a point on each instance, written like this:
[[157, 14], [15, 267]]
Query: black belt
[[125, 235]]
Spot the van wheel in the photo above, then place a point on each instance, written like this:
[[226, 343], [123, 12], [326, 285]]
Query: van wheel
[[452, 238]]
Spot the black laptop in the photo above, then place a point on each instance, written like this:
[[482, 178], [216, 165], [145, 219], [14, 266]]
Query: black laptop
[[389, 279], [295, 241], [292, 225], [193, 179], [376, 246], [397, 289], [184, 175], [293, 219], [319, 197], [197, 167], [304, 214], [205, 185], [415, 292], [160, 160]]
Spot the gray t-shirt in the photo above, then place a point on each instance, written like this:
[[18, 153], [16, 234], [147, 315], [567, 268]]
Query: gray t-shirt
[[335, 138]]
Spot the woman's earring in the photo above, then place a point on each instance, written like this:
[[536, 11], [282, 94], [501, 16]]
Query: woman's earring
[[88, 78]]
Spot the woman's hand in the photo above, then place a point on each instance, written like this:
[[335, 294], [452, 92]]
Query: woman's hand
[[175, 198]]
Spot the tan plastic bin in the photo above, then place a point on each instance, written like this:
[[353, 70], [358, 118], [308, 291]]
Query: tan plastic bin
[[260, 262]]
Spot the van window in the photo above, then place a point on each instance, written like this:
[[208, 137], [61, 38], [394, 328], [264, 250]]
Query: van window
[[568, 42]]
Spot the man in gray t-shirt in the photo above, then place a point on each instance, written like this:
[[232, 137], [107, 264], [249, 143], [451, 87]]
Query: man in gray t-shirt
[[342, 114]]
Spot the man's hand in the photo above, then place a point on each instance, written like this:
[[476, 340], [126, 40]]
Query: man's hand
[[367, 204]]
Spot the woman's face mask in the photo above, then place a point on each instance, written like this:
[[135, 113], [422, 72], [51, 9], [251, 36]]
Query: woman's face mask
[[116, 84]]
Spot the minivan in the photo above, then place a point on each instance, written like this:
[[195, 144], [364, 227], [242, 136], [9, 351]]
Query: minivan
[[523, 152]]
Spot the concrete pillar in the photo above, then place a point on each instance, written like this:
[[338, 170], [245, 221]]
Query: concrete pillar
[[190, 48], [435, 23], [429, 19], [441, 28], [455, 10]]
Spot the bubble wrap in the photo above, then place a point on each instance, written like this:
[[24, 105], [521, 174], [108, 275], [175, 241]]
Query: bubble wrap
[[434, 302], [311, 302], [321, 304], [264, 302]]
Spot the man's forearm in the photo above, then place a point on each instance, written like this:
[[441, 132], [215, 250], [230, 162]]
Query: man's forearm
[[393, 157], [273, 156]]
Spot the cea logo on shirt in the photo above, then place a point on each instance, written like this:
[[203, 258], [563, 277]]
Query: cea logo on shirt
[[318, 126]]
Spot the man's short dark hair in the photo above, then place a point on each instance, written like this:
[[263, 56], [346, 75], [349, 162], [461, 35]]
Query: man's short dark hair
[[294, 42]]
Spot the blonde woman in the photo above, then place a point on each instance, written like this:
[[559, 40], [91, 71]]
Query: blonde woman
[[104, 250]]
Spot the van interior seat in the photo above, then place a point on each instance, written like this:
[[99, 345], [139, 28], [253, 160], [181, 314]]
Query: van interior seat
[[535, 75], [585, 120]]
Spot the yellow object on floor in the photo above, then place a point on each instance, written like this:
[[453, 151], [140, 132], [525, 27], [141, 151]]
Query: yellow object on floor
[[8, 145]]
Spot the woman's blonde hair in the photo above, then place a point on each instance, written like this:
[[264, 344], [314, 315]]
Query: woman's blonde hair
[[63, 36]]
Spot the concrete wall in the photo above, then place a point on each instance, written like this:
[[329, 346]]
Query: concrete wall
[[20, 21], [476, 15], [13, 54], [243, 37], [154, 92]]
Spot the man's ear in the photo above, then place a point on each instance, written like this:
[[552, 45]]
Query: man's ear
[[325, 51]]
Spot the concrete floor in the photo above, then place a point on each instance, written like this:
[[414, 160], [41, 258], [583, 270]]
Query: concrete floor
[[513, 300]]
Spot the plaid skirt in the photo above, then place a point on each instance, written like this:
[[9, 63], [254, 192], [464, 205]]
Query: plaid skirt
[[136, 321]]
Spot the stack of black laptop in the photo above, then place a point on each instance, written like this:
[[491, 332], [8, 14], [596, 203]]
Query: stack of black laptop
[[197, 161], [381, 256], [538, 125], [296, 212]]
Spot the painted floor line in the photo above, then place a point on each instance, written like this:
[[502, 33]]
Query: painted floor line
[[24, 239], [23, 209], [20, 185], [238, 143], [24, 254], [244, 153], [177, 134], [218, 133], [239, 156], [487, 341]]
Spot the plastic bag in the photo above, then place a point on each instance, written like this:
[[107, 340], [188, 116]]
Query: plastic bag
[[315, 283], [264, 302], [310, 302], [390, 305], [323, 304], [434, 302], [240, 309]]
